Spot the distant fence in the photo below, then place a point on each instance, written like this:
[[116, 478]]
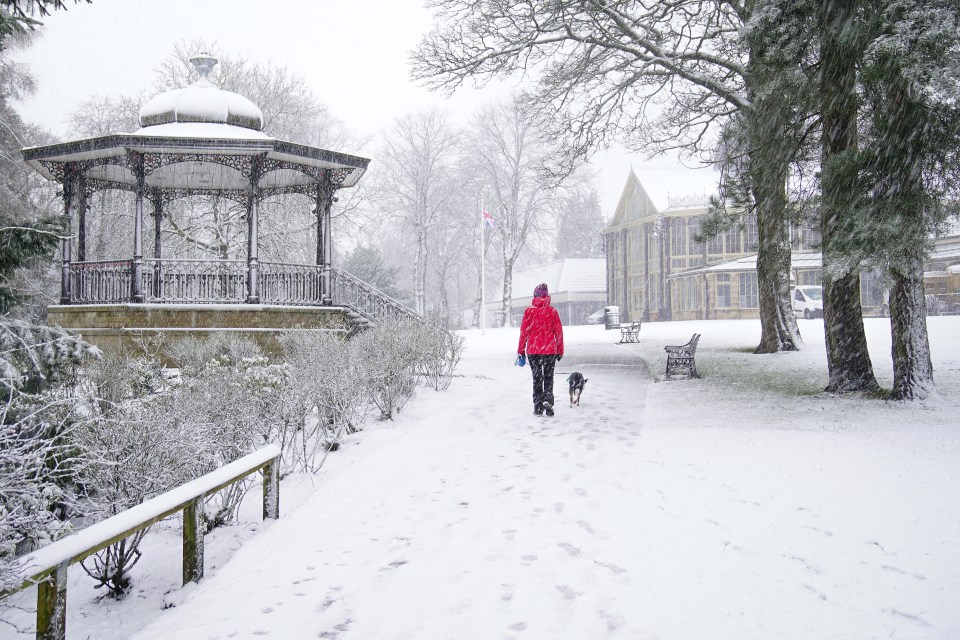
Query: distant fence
[[47, 567]]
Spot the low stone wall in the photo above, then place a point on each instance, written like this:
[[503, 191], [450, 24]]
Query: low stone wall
[[121, 327]]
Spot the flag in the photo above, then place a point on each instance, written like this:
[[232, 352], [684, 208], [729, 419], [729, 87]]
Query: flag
[[487, 219]]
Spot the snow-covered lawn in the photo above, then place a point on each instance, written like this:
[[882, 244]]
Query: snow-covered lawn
[[742, 505]]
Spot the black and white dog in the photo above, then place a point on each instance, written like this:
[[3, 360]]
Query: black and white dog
[[577, 382]]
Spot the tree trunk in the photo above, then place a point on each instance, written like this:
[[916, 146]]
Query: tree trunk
[[912, 367], [848, 360], [507, 292], [419, 272], [444, 298], [769, 129], [778, 324]]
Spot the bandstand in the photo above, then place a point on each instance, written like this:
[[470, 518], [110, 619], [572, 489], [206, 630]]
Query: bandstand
[[201, 141]]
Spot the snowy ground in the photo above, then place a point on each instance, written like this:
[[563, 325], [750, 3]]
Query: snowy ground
[[742, 505]]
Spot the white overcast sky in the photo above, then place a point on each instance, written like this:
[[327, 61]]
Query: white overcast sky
[[352, 53]]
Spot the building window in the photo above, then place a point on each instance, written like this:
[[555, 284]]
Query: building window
[[723, 290], [733, 240], [812, 277], [693, 228], [678, 236], [687, 290], [748, 291], [751, 237], [715, 245]]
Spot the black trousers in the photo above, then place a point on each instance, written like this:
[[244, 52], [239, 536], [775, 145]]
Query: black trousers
[[542, 368]]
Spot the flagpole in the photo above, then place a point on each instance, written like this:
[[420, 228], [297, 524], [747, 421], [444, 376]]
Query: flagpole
[[483, 295]]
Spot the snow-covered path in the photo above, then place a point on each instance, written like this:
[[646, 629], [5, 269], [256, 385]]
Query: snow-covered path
[[480, 521], [652, 511]]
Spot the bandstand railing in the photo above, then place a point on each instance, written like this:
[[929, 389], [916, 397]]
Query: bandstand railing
[[210, 281], [297, 284], [106, 281], [183, 280]]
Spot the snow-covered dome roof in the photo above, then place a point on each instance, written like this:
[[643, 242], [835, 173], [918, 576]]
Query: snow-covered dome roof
[[201, 102]]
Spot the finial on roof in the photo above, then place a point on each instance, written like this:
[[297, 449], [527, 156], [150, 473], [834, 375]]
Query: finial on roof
[[204, 64]]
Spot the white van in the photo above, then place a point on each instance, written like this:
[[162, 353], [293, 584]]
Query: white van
[[808, 301]]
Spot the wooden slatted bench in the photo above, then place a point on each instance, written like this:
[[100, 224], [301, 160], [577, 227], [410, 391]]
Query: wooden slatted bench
[[630, 332], [680, 358]]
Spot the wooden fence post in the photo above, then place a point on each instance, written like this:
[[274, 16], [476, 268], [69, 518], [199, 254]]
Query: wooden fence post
[[271, 489], [193, 540], [52, 605]]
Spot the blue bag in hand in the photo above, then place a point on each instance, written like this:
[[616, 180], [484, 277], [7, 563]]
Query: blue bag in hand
[[521, 360]]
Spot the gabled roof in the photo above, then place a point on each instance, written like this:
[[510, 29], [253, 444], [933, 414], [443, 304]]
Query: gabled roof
[[635, 203]]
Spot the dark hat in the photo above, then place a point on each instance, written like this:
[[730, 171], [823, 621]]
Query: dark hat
[[541, 291]]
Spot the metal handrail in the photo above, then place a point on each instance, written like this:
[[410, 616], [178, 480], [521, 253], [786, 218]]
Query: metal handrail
[[367, 300]]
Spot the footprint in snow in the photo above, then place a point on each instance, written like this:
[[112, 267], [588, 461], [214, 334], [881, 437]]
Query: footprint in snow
[[613, 621], [567, 592], [571, 550], [611, 567], [396, 564], [518, 626], [887, 567], [336, 631]]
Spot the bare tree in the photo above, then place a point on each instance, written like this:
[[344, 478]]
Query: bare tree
[[510, 152], [579, 222], [653, 75], [420, 155]]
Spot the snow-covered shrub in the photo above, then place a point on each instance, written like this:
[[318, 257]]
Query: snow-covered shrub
[[193, 354], [440, 353], [233, 407], [33, 357], [326, 397], [37, 456], [34, 468], [133, 453], [389, 356]]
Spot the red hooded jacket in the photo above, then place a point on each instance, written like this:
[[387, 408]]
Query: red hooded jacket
[[541, 331]]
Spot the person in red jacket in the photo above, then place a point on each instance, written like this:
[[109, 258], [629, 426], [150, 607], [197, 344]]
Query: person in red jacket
[[541, 341]]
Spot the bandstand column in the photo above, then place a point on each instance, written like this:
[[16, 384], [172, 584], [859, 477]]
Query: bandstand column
[[136, 276], [82, 205], [325, 192], [253, 233], [69, 186], [156, 199]]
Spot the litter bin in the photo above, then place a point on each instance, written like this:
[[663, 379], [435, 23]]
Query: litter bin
[[611, 317]]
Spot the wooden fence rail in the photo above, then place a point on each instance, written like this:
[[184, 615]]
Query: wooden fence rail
[[47, 567]]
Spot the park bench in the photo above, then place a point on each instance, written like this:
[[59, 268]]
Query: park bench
[[680, 358], [630, 332]]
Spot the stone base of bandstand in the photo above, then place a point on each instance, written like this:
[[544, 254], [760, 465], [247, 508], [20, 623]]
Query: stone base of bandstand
[[118, 328]]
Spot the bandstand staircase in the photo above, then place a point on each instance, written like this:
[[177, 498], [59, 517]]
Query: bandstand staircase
[[365, 304]]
